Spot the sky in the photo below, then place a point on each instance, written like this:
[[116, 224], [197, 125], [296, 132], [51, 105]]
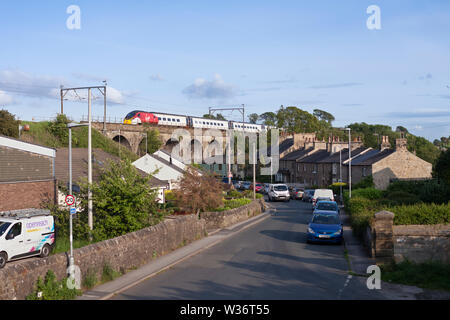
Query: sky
[[183, 57]]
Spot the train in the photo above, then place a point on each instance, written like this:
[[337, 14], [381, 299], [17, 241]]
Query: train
[[174, 120]]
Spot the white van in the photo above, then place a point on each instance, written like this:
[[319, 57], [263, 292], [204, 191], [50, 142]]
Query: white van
[[322, 193], [279, 192], [25, 233]]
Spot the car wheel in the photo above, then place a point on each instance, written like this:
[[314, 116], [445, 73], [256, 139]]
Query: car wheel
[[3, 259], [45, 252]]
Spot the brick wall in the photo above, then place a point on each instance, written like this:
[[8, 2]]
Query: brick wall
[[24, 195]]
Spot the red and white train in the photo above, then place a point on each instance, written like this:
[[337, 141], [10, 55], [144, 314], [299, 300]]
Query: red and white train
[[166, 119]]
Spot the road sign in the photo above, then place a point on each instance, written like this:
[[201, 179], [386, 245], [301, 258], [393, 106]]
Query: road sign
[[70, 200], [73, 211]]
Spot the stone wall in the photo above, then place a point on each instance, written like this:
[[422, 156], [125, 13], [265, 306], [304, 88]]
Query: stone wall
[[218, 220], [124, 253], [417, 243], [422, 243]]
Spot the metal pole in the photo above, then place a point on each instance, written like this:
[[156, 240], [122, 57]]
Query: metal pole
[[71, 260], [229, 158], [62, 100], [90, 206], [350, 162], [254, 171], [104, 112], [340, 170]]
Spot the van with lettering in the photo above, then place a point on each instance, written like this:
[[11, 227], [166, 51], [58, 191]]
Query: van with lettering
[[25, 233]]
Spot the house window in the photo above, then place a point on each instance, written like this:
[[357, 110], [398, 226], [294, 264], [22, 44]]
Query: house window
[[334, 168], [364, 173]]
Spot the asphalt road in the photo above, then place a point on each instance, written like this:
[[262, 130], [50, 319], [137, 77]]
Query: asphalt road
[[268, 261]]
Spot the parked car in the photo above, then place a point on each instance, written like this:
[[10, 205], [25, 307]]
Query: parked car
[[325, 227], [307, 195], [279, 192], [320, 200], [245, 185], [326, 207], [322, 193], [24, 234], [296, 193], [259, 187]]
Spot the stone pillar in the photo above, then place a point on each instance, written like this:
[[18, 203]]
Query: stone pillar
[[384, 237]]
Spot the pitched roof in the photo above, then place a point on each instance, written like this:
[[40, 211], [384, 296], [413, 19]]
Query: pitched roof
[[315, 157], [336, 157], [100, 160], [374, 158], [297, 154], [26, 146], [165, 162]]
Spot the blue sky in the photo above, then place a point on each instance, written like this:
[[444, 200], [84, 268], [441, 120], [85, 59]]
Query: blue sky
[[184, 57]]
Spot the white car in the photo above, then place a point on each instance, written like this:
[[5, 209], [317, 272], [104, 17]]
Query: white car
[[25, 233], [322, 193], [279, 192]]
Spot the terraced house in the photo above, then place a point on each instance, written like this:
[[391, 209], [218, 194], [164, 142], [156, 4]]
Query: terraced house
[[319, 163]]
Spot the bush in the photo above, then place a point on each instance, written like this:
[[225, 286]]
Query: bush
[[234, 203], [368, 193], [9, 126], [421, 214], [401, 198], [234, 194], [58, 128], [428, 191], [199, 193], [365, 183], [51, 289]]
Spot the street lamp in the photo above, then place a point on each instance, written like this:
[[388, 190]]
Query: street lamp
[[70, 126], [350, 161]]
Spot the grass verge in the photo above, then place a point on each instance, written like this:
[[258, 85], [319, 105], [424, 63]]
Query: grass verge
[[428, 275]]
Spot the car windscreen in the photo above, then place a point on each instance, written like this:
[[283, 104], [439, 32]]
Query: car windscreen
[[326, 206], [130, 115], [280, 188], [3, 227], [326, 219]]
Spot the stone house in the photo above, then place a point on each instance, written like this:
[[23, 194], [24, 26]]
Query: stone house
[[27, 175], [391, 164]]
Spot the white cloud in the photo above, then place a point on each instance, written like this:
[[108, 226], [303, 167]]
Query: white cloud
[[156, 77], [19, 82], [5, 99], [204, 89]]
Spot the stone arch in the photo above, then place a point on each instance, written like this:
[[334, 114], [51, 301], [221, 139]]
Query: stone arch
[[122, 141]]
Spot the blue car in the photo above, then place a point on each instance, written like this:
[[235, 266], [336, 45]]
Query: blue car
[[326, 206], [325, 227]]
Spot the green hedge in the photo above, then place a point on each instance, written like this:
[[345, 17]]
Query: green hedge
[[234, 203], [421, 214], [368, 193]]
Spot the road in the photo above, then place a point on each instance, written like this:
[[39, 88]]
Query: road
[[268, 261]]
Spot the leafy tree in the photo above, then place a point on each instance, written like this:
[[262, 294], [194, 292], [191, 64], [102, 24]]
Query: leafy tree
[[295, 120], [9, 126], [124, 202], [441, 169], [324, 116], [58, 128], [153, 142], [401, 129], [219, 116], [423, 148], [269, 118], [253, 118], [198, 193]]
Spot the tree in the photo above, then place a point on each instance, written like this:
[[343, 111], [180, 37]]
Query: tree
[[219, 116], [295, 120], [253, 118], [401, 129], [9, 126], [124, 201], [324, 116], [153, 142], [269, 118], [197, 192], [58, 128], [441, 169]]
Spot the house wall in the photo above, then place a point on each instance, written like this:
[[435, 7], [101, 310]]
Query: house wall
[[25, 195], [401, 164]]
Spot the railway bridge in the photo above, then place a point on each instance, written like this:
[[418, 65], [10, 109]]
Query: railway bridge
[[132, 136]]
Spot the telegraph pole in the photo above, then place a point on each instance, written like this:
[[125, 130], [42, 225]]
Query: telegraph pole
[[102, 90]]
